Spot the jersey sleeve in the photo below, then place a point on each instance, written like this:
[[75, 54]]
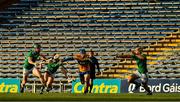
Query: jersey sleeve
[[145, 56], [76, 56], [134, 56], [67, 59], [30, 54], [61, 65], [97, 64]]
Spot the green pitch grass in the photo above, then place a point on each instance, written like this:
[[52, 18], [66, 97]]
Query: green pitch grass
[[89, 97]]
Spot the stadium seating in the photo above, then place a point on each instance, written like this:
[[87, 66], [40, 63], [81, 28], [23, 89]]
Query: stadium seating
[[109, 27]]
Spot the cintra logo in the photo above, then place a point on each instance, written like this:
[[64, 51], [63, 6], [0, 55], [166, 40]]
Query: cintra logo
[[102, 88], [5, 88]]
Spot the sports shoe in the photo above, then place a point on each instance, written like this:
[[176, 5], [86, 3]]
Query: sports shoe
[[22, 90], [131, 92], [136, 87], [86, 91], [42, 89], [49, 89], [149, 93]]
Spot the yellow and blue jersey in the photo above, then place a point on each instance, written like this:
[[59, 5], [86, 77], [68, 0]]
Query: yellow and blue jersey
[[84, 62]]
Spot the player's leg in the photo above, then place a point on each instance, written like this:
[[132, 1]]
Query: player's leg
[[91, 84], [86, 82], [92, 77], [144, 79], [49, 83], [133, 79], [37, 73], [81, 75], [24, 79], [46, 77]]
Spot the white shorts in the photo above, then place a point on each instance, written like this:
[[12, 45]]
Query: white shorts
[[51, 74], [144, 77], [27, 72]]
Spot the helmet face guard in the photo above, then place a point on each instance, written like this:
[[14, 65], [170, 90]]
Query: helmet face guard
[[139, 50], [56, 56], [82, 51], [37, 46]]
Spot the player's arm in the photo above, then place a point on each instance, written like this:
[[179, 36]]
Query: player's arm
[[31, 61], [97, 66], [68, 59], [138, 55], [63, 70], [47, 61], [43, 57]]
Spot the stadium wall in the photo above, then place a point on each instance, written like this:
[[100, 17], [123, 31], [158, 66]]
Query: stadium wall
[[155, 85], [9, 85], [121, 86], [100, 86]]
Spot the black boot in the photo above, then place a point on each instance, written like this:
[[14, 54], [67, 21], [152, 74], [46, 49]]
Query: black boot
[[49, 89], [42, 89], [145, 86], [22, 90], [136, 87], [149, 93]]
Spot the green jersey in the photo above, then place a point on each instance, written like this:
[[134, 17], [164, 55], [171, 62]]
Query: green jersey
[[142, 64], [53, 66], [34, 55]]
